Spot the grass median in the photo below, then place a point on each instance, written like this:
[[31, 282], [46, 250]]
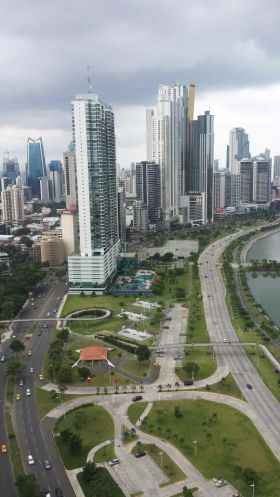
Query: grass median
[[226, 441], [135, 410], [104, 484]]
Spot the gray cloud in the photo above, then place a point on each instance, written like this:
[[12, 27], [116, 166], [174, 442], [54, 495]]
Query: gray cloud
[[131, 46]]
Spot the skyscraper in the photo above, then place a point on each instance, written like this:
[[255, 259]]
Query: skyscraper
[[167, 144], [148, 188], [262, 180], [202, 159], [238, 148], [94, 141], [12, 204], [246, 181], [55, 174], [36, 165], [10, 168], [70, 178], [276, 172]]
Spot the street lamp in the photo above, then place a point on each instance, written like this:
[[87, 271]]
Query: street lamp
[[195, 448], [253, 489], [161, 453]]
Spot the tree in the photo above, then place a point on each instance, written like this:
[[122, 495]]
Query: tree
[[65, 374], [180, 293], [27, 486], [187, 492], [250, 475], [17, 346], [89, 471], [75, 443], [63, 335], [191, 367], [14, 367], [143, 353], [84, 372]]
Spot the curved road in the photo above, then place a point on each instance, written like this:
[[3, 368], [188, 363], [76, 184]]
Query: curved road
[[260, 399]]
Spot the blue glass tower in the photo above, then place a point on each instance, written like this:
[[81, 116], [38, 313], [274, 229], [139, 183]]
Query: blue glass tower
[[36, 165]]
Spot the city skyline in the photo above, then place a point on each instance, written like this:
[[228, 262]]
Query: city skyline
[[234, 66]]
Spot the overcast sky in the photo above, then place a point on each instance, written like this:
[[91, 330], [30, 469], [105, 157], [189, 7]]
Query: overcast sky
[[229, 49]]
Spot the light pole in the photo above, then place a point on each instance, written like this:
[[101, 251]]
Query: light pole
[[161, 453], [195, 448], [193, 377], [253, 489]]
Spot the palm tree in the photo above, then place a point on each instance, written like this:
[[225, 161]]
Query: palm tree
[[105, 390], [177, 384], [142, 388], [159, 388]]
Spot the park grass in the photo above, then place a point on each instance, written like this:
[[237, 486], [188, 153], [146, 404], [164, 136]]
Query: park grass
[[104, 484], [274, 352], [113, 303], [14, 448], [46, 401], [106, 453], [135, 410], [226, 386], [139, 368], [97, 428], [225, 438], [169, 467], [266, 370], [205, 360]]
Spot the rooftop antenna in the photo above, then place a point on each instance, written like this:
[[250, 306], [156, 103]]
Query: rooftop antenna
[[90, 87]]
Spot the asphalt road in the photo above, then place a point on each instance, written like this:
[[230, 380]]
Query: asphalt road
[[260, 398], [28, 428]]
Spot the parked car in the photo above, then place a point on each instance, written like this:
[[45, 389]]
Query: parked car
[[188, 382], [136, 398], [140, 453], [114, 462]]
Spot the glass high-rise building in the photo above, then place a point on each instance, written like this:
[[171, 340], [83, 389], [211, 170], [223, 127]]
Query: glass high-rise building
[[202, 159], [167, 138], [95, 154], [36, 165], [239, 148]]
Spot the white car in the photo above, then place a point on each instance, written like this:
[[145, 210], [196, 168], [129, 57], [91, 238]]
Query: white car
[[3, 358], [28, 392], [48, 314], [114, 462], [30, 460], [31, 370]]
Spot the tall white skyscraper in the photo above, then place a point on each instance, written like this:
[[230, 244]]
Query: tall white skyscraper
[[166, 127], [94, 142], [238, 149]]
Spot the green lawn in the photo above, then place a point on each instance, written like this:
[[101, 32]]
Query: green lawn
[[102, 486], [76, 302], [46, 401], [267, 372], [171, 470], [106, 453], [135, 410], [226, 386], [205, 360], [139, 368], [13, 448], [10, 391], [226, 441], [97, 428]]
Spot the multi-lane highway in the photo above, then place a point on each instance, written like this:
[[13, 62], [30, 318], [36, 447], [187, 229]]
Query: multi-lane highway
[[264, 404], [28, 431]]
